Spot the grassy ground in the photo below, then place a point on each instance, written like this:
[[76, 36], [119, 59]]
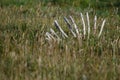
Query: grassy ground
[[26, 55]]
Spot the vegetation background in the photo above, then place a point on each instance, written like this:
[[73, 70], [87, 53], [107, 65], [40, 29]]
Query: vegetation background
[[25, 54]]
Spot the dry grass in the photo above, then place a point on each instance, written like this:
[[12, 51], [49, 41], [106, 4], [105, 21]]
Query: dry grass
[[25, 54]]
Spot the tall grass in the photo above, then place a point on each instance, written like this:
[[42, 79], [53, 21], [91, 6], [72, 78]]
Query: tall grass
[[25, 54]]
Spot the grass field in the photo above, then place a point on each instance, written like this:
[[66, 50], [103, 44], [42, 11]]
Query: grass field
[[25, 54]]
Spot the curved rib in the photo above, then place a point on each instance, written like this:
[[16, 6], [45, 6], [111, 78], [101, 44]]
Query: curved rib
[[59, 28]]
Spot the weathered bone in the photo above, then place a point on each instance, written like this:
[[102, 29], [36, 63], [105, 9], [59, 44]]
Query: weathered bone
[[60, 29], [84, 27], [49, 36], [95, 24], [69, 26], [75, 26], [103, 23], [53, 32], [88, 21], [53, 36]]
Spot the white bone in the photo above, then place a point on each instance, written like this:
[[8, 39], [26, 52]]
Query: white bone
[[103, 23], [60, 29], [83, 21], [88, 21], [69, 25], [53, 32], [95, 23], [75, 26]]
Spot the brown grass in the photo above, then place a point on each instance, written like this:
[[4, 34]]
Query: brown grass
[[26, 55]]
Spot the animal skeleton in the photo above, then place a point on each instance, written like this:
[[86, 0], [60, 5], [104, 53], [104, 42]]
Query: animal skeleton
[[52, 35]]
